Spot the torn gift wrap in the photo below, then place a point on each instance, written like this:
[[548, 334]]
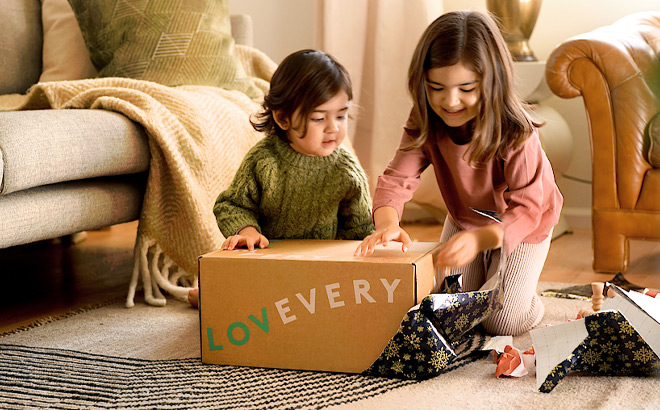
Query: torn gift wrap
[[431, 333], [621, 340]]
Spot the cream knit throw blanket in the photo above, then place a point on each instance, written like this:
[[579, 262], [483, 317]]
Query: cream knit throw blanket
[[198, 136]]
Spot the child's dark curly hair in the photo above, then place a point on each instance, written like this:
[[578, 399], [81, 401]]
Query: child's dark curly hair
[[303, 81]]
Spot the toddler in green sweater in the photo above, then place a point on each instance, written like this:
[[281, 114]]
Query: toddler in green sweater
[[298, 182]]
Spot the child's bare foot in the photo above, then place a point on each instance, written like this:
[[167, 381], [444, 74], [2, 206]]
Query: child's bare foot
[[193, 297]]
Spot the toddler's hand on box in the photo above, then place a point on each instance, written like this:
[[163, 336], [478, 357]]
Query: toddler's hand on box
[[248, 237]]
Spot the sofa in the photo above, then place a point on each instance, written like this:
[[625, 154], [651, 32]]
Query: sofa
[[64, 171], [616, 70]]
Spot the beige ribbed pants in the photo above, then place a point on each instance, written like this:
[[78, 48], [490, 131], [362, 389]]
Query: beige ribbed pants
[[522, 308]]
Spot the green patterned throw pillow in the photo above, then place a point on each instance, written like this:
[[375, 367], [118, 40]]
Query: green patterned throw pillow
[[171, 42]]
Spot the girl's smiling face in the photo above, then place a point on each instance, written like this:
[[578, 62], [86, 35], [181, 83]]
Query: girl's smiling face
[[453, 93], [326, 128]]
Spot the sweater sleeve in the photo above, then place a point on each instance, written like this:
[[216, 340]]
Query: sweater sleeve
[[401, 177], [354, 216], [238, 205], [533, 199]]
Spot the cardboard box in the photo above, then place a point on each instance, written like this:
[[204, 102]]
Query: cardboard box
[[308, 304]]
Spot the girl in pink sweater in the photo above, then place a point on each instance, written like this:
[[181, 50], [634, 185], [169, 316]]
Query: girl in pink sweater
[[468, 122]]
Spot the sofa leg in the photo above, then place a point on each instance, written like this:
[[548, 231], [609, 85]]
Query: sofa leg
[[610, 250], [74, 238]]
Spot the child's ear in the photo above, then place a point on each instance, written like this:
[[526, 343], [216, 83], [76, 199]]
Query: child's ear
[[281, 119]]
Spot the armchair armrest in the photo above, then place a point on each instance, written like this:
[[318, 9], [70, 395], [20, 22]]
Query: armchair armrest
[[612, 68]]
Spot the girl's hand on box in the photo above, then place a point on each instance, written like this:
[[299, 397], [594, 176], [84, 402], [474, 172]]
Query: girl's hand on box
[[386, 220], [247, 236], [383, 236]]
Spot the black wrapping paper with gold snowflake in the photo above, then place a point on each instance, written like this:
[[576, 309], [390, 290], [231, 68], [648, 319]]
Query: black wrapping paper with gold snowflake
[[613, 348], [426, 341], [431, 333], [623, 339]]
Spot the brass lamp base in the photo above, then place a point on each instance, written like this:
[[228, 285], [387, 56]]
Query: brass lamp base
[[517, 19]]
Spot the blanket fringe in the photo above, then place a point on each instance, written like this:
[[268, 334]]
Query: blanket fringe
[[158, 271]]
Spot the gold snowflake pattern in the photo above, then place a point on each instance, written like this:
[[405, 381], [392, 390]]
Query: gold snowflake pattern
[[644, 355], [462, 321], [591, 357], [610, 348], [397, 366], [627, 329], [413, 340], [593, 326], [605, 367], [420, 357], [406, 357], [548, 385], [391, 350], [439, 359]]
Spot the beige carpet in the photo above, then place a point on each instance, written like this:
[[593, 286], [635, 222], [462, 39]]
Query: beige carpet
[[172, 332]]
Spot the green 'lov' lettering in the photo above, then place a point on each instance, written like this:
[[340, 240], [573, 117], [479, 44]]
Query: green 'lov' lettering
[[263, 325], [230, 333], [212, 346]]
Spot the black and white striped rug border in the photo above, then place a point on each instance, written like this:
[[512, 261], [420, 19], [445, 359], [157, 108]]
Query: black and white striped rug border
[[32, 377]]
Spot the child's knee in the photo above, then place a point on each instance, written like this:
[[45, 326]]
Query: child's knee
[[512, 321]]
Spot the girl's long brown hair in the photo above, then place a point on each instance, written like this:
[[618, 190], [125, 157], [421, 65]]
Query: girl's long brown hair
[[474, 39]]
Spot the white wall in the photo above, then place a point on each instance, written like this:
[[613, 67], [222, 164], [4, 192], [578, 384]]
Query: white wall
[[280, 26], [559, 20]]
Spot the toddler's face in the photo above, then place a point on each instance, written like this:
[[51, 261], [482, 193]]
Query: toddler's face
[[326, 128], [453, 93]]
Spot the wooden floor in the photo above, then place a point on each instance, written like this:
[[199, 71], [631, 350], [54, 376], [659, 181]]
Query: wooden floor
[[49, 278]]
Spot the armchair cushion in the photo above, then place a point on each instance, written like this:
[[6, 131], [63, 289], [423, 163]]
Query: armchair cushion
[[171, 43]]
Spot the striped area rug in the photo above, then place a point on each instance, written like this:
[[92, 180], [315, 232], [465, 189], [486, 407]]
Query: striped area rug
[[32, 377]]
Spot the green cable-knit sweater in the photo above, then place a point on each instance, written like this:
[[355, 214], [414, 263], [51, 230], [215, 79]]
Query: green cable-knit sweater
[[288, 195]]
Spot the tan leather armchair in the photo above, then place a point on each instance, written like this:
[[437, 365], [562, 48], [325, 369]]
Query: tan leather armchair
[[615, 69]]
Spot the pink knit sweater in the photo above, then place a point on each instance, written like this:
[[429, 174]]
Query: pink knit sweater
[[521, 187]]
